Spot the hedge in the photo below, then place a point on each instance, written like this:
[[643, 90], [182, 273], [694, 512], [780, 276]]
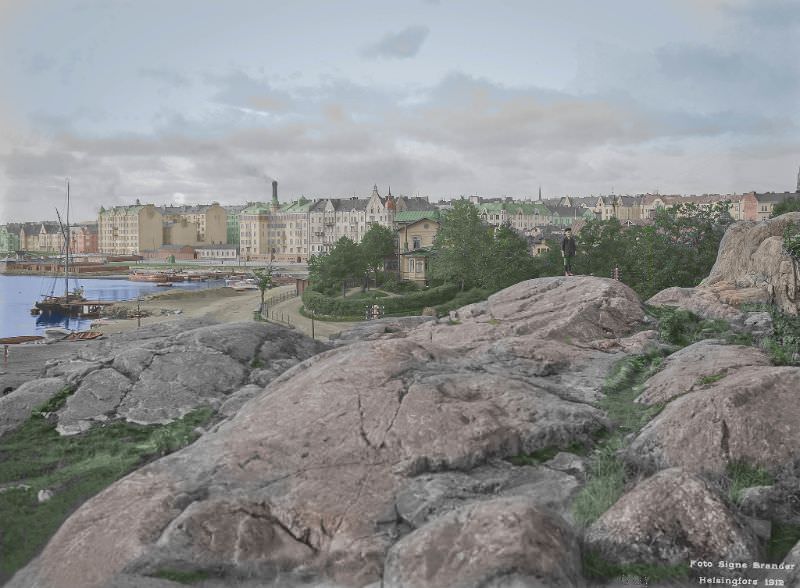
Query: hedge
[[416, 301]]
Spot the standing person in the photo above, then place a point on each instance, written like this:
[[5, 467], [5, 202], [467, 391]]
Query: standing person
[[568, 251]]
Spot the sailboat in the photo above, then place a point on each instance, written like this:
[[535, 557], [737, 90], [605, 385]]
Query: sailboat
[[71, 303]]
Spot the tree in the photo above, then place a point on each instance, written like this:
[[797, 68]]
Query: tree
[[343, 262], [460, 247], [788, 205], [263, 281], [507, 260], [376, 245]]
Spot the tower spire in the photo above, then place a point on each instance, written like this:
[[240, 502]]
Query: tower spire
[[797, 190]]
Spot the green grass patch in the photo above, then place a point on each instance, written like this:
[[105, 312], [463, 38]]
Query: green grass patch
[[256, 363], [366, 295], [743, 475], [185, 577], [73, 468], [597, 568], [681, 327], [710, 379], [607, 473], [783, 538], [605, 483], [624, 385]]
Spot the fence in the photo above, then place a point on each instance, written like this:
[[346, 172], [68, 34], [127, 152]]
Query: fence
[[278, 316]]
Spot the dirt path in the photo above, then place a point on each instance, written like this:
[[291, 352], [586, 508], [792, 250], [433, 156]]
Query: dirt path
[[322, 329]]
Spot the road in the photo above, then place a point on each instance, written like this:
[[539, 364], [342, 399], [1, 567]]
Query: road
[[322, 329]]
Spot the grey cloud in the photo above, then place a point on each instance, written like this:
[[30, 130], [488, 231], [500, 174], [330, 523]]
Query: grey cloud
[[401, 45], [169, 77], [771, 15]]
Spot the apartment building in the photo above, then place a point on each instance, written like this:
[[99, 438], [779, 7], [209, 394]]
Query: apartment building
[[84, 238], [130, 230], [9, 238], [211, 221], [756, 207]]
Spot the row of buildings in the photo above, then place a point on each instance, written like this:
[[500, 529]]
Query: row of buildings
[[294, 231]]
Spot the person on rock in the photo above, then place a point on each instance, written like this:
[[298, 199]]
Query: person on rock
[[568, 251]]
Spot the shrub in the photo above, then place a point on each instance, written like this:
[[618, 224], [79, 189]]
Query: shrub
[[416, 301]]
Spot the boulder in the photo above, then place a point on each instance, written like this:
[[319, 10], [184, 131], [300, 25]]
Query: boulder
[[161, 372], [668, 519], [703, 302], [777, 502], [389, 327], [16, 406], [501, 542], [751, 415], [316, 463], [696, 366], [751, 268], [428, 496]]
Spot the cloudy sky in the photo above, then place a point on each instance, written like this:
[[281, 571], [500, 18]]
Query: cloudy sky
[[201, 100]]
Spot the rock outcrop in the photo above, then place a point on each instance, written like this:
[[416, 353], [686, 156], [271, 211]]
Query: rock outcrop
[[668, 519], [750, 415], [491, 544], [696, 367], [751, 267], [346, 453], [158, 374]]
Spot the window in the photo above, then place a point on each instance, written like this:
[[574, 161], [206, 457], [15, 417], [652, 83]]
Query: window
[[417, 242]]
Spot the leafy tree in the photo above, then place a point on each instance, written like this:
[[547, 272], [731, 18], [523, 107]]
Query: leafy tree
[[263, 281], [788, 205], [345, 261], [460, 247], [507, 261], [376, 245]]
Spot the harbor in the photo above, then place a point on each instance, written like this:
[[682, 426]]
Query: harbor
[[18, 294]]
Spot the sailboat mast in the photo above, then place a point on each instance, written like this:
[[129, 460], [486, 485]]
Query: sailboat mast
[[66, 258]]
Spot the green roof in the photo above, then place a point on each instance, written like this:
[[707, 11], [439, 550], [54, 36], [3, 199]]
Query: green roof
[[410, 216], [256, 208], [297, 206], [123, 209]]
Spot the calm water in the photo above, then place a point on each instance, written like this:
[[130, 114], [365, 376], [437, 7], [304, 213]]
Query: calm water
[[18, 294]]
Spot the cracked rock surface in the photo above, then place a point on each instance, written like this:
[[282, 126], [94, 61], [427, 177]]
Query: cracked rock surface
[[751, 415], [346, 453], [158, 374]]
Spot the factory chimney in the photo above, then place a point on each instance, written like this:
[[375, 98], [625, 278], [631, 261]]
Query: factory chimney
[[274, 196]]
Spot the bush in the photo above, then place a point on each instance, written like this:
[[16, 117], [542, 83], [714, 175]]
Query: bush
[[416, 301]]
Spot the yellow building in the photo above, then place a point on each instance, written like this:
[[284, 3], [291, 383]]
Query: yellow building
[[129, 230], [181, 232], [211, 221], [416, 232], [253, 233]]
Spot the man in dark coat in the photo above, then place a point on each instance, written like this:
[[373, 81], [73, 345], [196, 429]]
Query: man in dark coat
[[568, 251]]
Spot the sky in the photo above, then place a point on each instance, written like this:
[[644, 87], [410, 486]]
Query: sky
[[194, 101]]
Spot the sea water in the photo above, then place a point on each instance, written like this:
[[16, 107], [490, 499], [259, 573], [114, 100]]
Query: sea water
[[18, 294]]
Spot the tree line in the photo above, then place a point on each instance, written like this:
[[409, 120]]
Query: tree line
[[677, 249]]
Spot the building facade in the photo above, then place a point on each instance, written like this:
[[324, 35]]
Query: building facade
[[130, 230], [83, 238], [211, 221]]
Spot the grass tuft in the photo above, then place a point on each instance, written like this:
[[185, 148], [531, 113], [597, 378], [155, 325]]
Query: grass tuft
[[597, 568], [73, 468], [783, 538], [743, 475]]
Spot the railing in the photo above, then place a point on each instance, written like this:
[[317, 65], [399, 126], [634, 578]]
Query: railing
[[278, 316]]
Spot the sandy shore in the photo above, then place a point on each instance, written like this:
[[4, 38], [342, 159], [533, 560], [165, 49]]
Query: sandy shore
[[222, 304]]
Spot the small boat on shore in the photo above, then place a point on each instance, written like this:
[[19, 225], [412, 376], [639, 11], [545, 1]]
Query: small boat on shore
[[20, 339], [164, 285]]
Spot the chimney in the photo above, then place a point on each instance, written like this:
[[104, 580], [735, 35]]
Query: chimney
[[274, 207]]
